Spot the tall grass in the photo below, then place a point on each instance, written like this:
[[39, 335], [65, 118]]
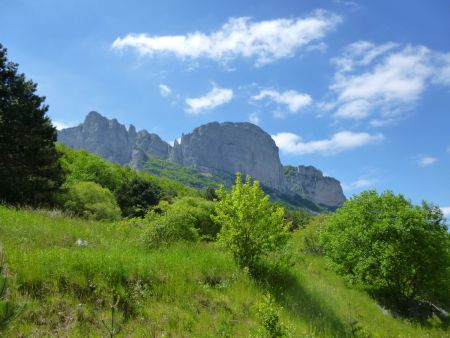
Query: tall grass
[[185, 290]]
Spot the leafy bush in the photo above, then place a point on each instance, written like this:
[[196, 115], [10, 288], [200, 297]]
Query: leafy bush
[[298, 218], [90, 200], [311, 234], [170, 227], [201, 210], [391, 246], [135, 197], [251, 226], [188, 219], [268, 314]]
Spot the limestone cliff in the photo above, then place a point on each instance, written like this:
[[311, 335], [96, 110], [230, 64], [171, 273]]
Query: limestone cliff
[[112, 141], [227, 148], [309, 182]]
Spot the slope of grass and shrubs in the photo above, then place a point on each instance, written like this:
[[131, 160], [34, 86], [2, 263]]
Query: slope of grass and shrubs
[[69, 271]]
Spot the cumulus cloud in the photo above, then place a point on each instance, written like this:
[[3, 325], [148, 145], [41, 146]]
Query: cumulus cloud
[[254, 118], [265, 41], [60, 125], [426, 161], [164, 90], [383, 81], [446, 211], [216, 97], [291, 99], [345, 140]]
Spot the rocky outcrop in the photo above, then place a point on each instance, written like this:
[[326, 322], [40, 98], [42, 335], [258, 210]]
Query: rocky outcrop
[[112, 141], [219, 149], [309, 182], [228, 148]]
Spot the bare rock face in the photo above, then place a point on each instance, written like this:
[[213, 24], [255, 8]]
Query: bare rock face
[[107, 138], [227, 148], [112, 141], [309, 182], [152, 144]]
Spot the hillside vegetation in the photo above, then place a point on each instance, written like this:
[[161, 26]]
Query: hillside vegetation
[[186, 289]]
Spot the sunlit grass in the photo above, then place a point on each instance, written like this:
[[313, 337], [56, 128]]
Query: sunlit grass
[[187, 290]]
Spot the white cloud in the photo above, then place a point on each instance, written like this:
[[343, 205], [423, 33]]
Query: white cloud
[[446, 211], [425, 161], [360, 183], [293, 100], [345, 140], [266, 41], [60, 125], [383, 80], [214, 98], [164, 90], [254, 118]]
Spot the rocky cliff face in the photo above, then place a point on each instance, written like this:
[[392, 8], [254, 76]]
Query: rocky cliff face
[[112, 141], [309, 182], [227, 148], [215, 148]]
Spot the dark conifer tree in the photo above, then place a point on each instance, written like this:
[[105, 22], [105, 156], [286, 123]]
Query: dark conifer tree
[[29, 164]]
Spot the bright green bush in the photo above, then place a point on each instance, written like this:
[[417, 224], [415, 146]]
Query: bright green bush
[[201, 210], [251, 227], [135, 197], [268, 314], [85, 167], [187, 219], [90, 200], [169, 227], [311, 234], [386, 243]]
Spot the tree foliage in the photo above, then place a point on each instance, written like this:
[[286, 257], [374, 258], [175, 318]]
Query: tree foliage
[[135, 197], [90, 200], [186, 219], [251, 226], [29, 163], [391, 246]]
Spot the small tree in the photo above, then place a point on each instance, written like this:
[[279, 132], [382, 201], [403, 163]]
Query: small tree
[[389, 245], [251, 226], [137, 196], [29, 163]]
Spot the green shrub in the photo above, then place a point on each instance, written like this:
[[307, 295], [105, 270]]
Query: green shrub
[[169, 227], [135, 197], [268, 314], [311, 234], [251, 226], [389, 245], [85, 167], [90, 200], [201, 210], [298, 218]]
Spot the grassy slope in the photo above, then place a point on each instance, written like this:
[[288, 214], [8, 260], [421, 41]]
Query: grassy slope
[[190, 290]]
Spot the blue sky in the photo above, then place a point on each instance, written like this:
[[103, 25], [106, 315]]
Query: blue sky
[[358, 89]]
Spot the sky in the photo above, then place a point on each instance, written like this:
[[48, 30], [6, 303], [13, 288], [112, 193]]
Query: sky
[[358, 89]]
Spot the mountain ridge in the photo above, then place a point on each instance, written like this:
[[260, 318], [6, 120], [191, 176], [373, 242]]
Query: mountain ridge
[[217, 149]]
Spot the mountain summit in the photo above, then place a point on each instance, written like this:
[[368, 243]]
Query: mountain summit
[[217, 149]]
